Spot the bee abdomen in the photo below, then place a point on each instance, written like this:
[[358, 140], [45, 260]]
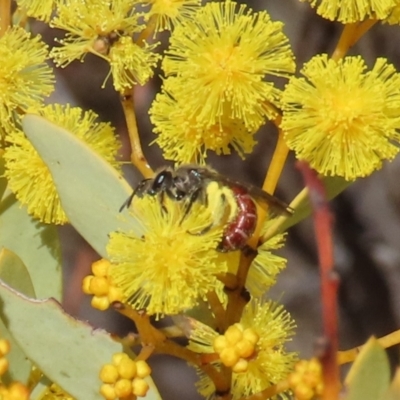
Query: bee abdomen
[[239, 230]]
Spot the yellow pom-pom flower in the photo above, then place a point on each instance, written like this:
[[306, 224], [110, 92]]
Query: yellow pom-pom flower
[[223, 63], [253, 348], [348, 11], [100, 286], [104, 28], [130, 63], [124, 378], [25, 78], [185, 140], [342, 119], [170, 268], [28, 176]]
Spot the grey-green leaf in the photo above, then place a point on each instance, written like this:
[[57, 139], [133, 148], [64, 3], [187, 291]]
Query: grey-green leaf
[[369, 376], [15, 274], [36, 244], [91, 191], [68, 351]]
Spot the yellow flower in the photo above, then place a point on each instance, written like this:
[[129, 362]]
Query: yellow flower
[[265, 267], [341, 119], [25, 78], [270, 363], [171, 267], [186, 141], [348, 11], [131, 64], [168, 13], [100, 286], [28, 176], [104, 28], [124, 378], [223, 57], [306, 381], [39, 9]]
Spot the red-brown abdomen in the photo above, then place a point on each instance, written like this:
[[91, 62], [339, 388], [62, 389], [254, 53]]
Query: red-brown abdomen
[[239, 230]]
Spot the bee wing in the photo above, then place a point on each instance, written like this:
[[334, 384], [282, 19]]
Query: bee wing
[[265, 199]]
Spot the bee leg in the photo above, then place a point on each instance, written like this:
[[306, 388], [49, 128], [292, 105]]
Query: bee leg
[[193, 197], [164, 210], [137, 191]]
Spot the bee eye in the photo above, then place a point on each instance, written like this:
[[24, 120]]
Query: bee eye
[[161, 181]]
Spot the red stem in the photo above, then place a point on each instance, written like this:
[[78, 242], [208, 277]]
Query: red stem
[[323, 222]]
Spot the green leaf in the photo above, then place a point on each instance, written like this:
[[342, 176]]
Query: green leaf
[[15, 274], [369, 376], [35, 243], [91, 191], [394, 391], [68, 351], [302, 206]]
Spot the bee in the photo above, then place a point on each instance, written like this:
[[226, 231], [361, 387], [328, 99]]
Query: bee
[[233, 204]]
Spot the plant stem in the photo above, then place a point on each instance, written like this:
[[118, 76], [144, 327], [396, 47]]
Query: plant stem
[[323, 222], [5, 16], [279, 222], [148, 31], [346, 41], [154, 341], [271, 180], [362, 29], [137, 157], [217, 309], [350, 355]]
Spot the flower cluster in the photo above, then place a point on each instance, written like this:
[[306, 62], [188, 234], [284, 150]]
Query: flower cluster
[[171, 267], [263, 330], [105, 28], [342, 119], [124, 378], [25, 78], [99, 285], [306, 380], [29, 177], [236, 346], [225, 61]]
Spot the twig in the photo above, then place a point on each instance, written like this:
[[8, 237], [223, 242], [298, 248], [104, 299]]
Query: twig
[[137, 157], [329, 280]]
